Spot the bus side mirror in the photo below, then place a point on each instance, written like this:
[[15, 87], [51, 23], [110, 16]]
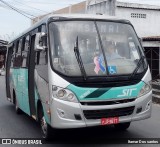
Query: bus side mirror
[[41, 41]]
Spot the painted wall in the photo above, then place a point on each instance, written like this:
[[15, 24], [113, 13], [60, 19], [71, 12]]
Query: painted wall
[[145, 18], [144, 26]]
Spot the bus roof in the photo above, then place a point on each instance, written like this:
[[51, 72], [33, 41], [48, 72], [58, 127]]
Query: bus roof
[[71, 16]]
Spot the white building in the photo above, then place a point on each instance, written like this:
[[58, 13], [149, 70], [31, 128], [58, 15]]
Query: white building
[[145, 18]]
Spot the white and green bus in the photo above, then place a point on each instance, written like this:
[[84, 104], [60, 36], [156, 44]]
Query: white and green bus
[[72, 71]]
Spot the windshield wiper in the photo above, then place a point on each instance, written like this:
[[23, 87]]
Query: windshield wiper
[[102, 49], [140, 62], [79, 59]]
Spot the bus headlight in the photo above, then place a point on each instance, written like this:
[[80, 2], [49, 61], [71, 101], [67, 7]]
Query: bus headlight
[[64, 94], [145, 89], [61, 93]]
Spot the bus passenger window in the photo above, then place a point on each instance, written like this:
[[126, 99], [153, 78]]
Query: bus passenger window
[[23, 44], [41, 64], [41, 58], [12, 60], [19, 46], [15, 60], [25, 52], [24, 59], [16, 47], [26, 46], [18, 56], [12, 56]]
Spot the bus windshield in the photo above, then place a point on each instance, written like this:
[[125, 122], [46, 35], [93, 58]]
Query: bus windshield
[[105, 48]]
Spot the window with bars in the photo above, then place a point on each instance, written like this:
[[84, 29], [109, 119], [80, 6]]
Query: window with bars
[[138, 15]]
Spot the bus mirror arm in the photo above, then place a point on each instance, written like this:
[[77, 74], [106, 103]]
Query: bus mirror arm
[[40, 48], [40, 41]]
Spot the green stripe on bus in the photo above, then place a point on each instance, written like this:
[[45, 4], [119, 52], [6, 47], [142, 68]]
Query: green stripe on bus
[[85, 93]]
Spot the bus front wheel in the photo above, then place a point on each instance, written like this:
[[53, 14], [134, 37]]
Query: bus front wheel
[[46, 129], [122, 126]]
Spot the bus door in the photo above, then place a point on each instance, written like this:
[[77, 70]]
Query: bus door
[[18, 62], [24, 73], [31, 80], [8, 66]]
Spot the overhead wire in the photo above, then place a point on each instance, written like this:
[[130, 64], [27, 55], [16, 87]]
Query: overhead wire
[[27, 13], [26, 10], [53, 3], [4, 6], [45, 3], [22, 12], [17, 10], [30, 6]]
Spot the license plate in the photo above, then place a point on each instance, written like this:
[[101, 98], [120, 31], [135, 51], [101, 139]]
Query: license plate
[[109, 121]]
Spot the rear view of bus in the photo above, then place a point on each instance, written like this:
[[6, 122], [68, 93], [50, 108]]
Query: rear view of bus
[[82, 71]]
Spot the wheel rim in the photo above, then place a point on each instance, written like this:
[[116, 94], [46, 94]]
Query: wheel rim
[[43, 126]]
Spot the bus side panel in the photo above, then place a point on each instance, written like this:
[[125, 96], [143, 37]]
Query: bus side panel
[[24, 74], [15, 82]]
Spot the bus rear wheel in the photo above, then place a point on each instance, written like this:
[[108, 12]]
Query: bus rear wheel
[[17, 109], [122, 126]]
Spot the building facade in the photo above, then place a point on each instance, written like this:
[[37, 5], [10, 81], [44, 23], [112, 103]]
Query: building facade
[[145, 18]]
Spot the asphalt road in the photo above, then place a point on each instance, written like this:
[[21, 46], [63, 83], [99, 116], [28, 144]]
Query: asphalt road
[[22, 126]]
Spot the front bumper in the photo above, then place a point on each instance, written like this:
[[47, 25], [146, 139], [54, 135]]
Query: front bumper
[[63, 112]]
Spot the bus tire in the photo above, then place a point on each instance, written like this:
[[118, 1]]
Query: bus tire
[[46, 129], [17, 109], [122, 126]]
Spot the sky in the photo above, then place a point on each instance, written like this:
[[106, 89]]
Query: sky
[[13, 23]]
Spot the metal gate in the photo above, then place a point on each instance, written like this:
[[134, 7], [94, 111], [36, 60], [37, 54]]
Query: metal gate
[[152, 55]]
